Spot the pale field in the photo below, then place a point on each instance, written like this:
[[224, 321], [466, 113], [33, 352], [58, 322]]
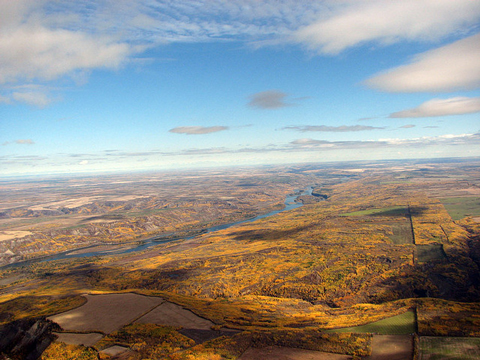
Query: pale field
[[391, 347], [115, 350], [88, 339], [80, 201], [68, 203], [13, 234], [285, 353]]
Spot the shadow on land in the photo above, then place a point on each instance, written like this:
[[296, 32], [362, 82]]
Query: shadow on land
[[267, 234]]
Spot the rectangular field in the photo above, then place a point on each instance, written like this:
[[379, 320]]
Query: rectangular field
[[431, 252], [451, 348], [402, 324], [402, 234], [460, 207]]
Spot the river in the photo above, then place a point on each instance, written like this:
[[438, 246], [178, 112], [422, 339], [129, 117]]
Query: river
[[125, 248]]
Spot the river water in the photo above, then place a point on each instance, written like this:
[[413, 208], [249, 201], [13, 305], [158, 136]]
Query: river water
[[290, 204]]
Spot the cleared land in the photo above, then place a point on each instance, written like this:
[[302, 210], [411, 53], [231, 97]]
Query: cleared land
[[174, 315], [433, 252], [106, 313], [10, 235], [402, 324], [79, 339], [115, 350], [391, 347], [451, 348], [460, 207], [285, 353]]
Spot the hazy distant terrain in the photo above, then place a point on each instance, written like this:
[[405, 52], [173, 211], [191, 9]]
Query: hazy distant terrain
[[39, 217]]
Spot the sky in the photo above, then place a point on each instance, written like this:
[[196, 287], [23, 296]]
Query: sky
[[130, 85]]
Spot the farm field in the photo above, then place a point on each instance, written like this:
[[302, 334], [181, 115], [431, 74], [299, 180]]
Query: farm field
[[402, 324], [460, 207], [432, 252], [284, 353], [451, 348], [391, 347], [100, 312]]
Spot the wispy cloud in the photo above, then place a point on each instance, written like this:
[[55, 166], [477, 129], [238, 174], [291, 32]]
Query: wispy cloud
[[408, 126], [325, 128], [307, 149], [452, 67], [38, 99], [351, 23], [270, 99], [441, 107], [444, 140], [41, 41], [45, 40], [197, 130], [20, 142], [25, 141]]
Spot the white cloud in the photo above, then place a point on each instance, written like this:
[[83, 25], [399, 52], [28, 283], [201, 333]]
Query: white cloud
[[31, 52], [197, 130], [351, 23], [40, 44], [441, 107], [452, 67], [39, 99]]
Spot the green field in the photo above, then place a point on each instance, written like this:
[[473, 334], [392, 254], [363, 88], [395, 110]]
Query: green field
[[460, 207], [431, 252], [402, 234], [388, 211], [451, 348], [402, 324]]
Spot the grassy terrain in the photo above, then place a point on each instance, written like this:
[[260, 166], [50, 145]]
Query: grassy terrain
[[451, 348], [433, 252], [402, 233], [460, 207], [402, 324], [34, 306]]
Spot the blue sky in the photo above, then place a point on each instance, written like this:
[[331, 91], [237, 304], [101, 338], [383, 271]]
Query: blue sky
[[107, 85]]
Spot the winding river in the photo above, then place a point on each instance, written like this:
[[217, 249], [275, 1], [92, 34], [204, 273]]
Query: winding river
[[125, 248]]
